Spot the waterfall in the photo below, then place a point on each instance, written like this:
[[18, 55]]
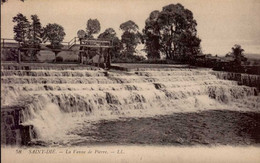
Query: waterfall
[[60, 100]]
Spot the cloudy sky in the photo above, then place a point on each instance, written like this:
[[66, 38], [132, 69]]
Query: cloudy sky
[[221, 23]]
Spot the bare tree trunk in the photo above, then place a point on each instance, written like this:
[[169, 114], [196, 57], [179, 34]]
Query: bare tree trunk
[[19, 56], [87, 53], [55, 60]]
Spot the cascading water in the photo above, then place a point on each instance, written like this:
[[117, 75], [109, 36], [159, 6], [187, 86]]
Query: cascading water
[[59, 102]]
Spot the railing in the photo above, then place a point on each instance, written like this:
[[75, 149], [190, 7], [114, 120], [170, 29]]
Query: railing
[[11, 43], [96, 43], [72, 42], [90, 43], [6, 41]]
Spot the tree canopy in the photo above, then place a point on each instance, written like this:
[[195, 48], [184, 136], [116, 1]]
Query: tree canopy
[[152, 36], [54, 33], [110, 34], [129, 26], [21, 29], [93, 27], [172, 32], [35, 35], [28, 34], [130, 37], [35, 31], [237, 53]]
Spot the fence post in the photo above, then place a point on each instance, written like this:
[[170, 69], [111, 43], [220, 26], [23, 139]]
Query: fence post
[[19, 56], [80, 53], [87, 56], [109, 58], [19, 53]]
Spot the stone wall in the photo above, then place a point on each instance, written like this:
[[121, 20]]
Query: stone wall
[[241, 78], [12, 130]]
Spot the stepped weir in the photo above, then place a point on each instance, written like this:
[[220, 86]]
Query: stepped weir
[[52, 104]]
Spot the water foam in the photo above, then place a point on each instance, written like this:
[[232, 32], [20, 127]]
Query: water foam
[[59, 102]]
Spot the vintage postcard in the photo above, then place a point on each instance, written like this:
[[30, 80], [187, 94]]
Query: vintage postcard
[[130, 81]]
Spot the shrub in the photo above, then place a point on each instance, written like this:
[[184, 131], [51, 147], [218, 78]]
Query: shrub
[[128, 59], [160, 61], [9, 54], [59, 59]]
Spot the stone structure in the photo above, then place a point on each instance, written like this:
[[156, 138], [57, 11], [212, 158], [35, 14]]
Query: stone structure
[[12, 130]]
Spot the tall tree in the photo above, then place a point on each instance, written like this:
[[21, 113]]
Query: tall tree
[[54, 33], [237, 53], [110, 34], [151, 36], [93, 27], [35, 35], [176, 30], [188, 47], [21, 29], [36, 31], [130, 37]]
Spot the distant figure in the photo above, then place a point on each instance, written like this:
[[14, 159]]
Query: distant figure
[[101, 61]]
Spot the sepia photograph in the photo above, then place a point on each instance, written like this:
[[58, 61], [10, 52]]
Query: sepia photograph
[[130, 81]]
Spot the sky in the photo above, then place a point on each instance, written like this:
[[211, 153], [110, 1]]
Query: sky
[[221, 23]]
